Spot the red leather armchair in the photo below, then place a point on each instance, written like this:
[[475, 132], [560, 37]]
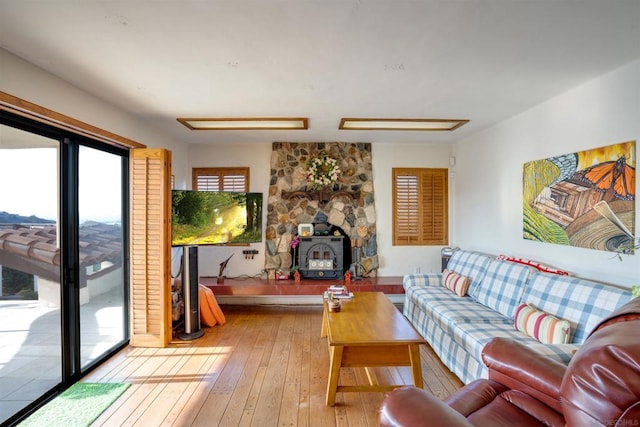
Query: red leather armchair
[[599, 387]]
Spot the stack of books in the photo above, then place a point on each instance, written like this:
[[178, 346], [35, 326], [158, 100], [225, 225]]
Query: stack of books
[[338, 291]]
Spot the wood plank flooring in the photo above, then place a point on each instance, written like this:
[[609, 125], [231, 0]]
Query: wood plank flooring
[[267, 366]]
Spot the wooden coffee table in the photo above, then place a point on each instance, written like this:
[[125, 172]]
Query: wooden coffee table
[[369, 331]]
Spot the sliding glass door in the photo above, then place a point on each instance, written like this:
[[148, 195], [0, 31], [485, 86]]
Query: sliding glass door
[[63, 245], [102, 298], [30, 309]]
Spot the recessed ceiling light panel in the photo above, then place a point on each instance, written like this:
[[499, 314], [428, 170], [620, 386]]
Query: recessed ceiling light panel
[[251, 123], [401, 124]]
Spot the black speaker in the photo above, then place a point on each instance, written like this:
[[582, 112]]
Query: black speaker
[[190, 283]]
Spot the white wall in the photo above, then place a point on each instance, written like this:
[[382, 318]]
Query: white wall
[[24, 80], [400, 260], [488, 194]]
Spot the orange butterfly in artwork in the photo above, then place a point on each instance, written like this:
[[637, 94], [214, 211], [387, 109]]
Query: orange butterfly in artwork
[[615, 176]]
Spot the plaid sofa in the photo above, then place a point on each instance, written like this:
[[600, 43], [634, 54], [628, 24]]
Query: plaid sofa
[[457, 328]]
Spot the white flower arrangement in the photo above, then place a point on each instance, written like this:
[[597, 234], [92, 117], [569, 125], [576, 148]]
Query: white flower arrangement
[[322, 171]]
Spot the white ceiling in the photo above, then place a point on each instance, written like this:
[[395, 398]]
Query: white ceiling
[[482, 60]]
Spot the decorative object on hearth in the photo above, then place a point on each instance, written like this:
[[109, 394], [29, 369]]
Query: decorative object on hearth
[[295, 241], [223, 266], [322, 172], [305, 230], [321, 229]]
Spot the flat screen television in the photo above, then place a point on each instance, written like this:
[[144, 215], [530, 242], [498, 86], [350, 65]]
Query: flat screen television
[[215, 218]]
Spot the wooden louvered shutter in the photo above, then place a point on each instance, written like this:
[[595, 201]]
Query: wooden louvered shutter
[[207, 183], [420, 206], [434, 207], [407, 207], [220, 179], [150, 241], [234, 182]]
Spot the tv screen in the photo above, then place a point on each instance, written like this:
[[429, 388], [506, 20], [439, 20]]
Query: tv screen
[[215, 218]]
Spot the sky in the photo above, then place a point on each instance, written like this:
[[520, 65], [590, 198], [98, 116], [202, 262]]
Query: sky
[[29, 183]]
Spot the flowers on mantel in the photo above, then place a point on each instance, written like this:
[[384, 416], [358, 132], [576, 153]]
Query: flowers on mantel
[[322, 172]]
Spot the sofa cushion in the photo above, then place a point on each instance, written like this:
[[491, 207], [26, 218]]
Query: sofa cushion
[[542, 326], [455, 282], [502, 287], [470, 264], [474, 336], [446, 309], [582, 302]]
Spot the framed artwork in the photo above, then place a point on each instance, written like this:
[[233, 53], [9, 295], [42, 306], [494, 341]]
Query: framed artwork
[[583, 199]]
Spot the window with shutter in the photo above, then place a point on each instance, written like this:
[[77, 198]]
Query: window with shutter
[[420, 206], [221, 179]]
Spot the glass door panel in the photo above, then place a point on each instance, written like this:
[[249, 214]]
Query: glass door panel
[[102, 272], [30, 338]]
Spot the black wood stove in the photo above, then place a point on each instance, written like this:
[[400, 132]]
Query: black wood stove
[[323, 257]]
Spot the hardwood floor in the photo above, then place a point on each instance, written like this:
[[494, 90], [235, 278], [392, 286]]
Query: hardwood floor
[[267, 366]]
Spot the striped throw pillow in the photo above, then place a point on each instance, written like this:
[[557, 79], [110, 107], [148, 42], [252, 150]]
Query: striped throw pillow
[[542, 326], [455, 282]]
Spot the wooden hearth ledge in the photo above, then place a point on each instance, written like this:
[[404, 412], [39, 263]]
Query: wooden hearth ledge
[[251, 286]]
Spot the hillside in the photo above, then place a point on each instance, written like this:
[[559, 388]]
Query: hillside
[[8, 218]]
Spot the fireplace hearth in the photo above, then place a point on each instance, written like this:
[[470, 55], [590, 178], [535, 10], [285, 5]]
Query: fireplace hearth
[[349, 205]]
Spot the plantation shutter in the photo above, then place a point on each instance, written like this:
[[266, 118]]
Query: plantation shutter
[[221, 179], [150, 247], [208, 183], [407, 208], [420, 212]]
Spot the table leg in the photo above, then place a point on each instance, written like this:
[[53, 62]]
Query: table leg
[[373, 379], [334, 373], [323, 331], [416, 367]]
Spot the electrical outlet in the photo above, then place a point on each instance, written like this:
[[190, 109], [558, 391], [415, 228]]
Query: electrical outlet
[[249, 253], [418, 270]]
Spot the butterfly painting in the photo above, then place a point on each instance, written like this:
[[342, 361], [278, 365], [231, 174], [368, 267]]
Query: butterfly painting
[[584, 199], [614, 176]]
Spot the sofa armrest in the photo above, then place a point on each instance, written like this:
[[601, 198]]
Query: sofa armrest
[[411, 406], [421, 280], [521, 368]]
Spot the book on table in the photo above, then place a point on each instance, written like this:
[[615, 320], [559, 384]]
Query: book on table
[[339, 296], [338, 291]]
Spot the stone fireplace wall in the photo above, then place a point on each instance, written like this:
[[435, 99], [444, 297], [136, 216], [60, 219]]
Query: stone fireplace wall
[[349, 205]]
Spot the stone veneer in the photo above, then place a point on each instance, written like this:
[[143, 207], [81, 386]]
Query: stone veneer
[[349, 205]]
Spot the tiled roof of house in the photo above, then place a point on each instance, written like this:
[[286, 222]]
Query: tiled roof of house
[[37, 244]]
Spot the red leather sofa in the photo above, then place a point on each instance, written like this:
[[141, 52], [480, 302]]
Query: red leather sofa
[[599, 387]]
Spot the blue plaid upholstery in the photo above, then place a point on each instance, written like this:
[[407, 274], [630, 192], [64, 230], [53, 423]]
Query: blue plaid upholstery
[[561, 352], [474, 336], [447, 309], [502, 286], [458, 328], [420, 280], [470, 264], [457, 359], [582, 302]]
